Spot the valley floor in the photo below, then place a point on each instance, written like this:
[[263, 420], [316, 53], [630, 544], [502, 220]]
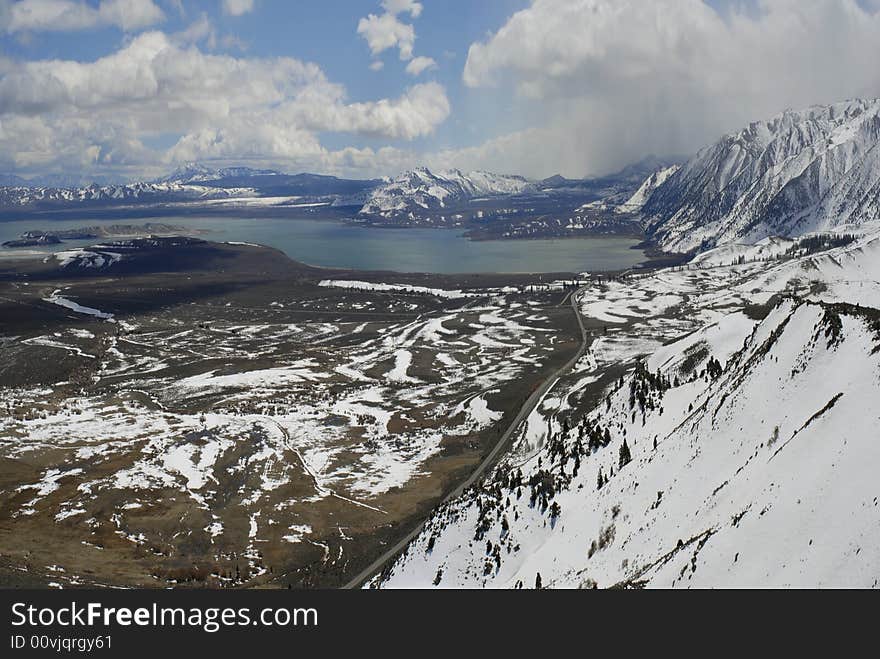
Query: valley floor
[[247, 422]]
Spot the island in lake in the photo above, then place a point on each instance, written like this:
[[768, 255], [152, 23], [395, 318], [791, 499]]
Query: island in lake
[[38, 238]]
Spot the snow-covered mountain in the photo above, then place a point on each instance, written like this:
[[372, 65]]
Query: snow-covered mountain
[[420, 189], [199, 173], [664, 460], [798, 172], [22, 197]]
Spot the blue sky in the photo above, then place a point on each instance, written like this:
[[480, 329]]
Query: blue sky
[[131, 88], [317, 31]]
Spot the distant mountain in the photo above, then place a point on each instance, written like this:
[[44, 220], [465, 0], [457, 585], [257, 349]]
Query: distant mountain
[[71, 181], [11, 180], [272, 183], [800, 171], [615, 184], [342, 192], [557, 181], [52, 181], [133, 193], [421, 189], [199, 173]]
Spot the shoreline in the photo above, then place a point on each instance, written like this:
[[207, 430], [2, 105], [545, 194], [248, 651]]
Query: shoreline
[[651, 262], [413, 256]]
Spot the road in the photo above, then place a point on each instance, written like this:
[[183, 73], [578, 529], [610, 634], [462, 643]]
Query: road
[[527, 408]]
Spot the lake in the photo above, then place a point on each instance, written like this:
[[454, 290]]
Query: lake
[[331, 243]]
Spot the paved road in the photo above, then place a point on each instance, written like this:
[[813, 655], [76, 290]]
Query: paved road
[[530, 404]]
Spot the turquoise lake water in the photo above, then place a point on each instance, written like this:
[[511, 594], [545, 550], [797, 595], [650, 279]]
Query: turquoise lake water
[[332, 243]]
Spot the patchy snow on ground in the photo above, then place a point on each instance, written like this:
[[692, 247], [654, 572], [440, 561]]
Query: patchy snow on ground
[[302, 371], [56, 298], [402, 361], [248, 427], [393, 288]]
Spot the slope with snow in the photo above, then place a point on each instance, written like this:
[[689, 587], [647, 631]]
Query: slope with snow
[[766, 249], [801, 171], [747, 404]]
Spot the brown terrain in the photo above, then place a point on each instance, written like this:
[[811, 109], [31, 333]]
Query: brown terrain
[[235, 423]]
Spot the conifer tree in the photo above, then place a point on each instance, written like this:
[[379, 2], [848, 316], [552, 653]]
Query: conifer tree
[[625, 455]]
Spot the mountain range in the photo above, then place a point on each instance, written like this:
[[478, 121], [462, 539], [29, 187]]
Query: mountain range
[[797, 172], [189, 184]]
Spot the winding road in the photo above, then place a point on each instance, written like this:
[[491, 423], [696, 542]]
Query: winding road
[[527, 408]]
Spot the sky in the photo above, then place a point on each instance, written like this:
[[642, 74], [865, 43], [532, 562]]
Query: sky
[[128, 89]]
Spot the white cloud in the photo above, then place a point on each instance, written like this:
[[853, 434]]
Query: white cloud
[[418, 65], [386, 31], [377, 65], [72, 15], [402, 6], [67, 113], [237, 7], [617, 79], [201, 30]]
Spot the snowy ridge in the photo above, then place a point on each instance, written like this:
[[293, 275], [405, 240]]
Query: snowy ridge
[[421, 189], [635, 203], [687, 473], [803, 171]]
